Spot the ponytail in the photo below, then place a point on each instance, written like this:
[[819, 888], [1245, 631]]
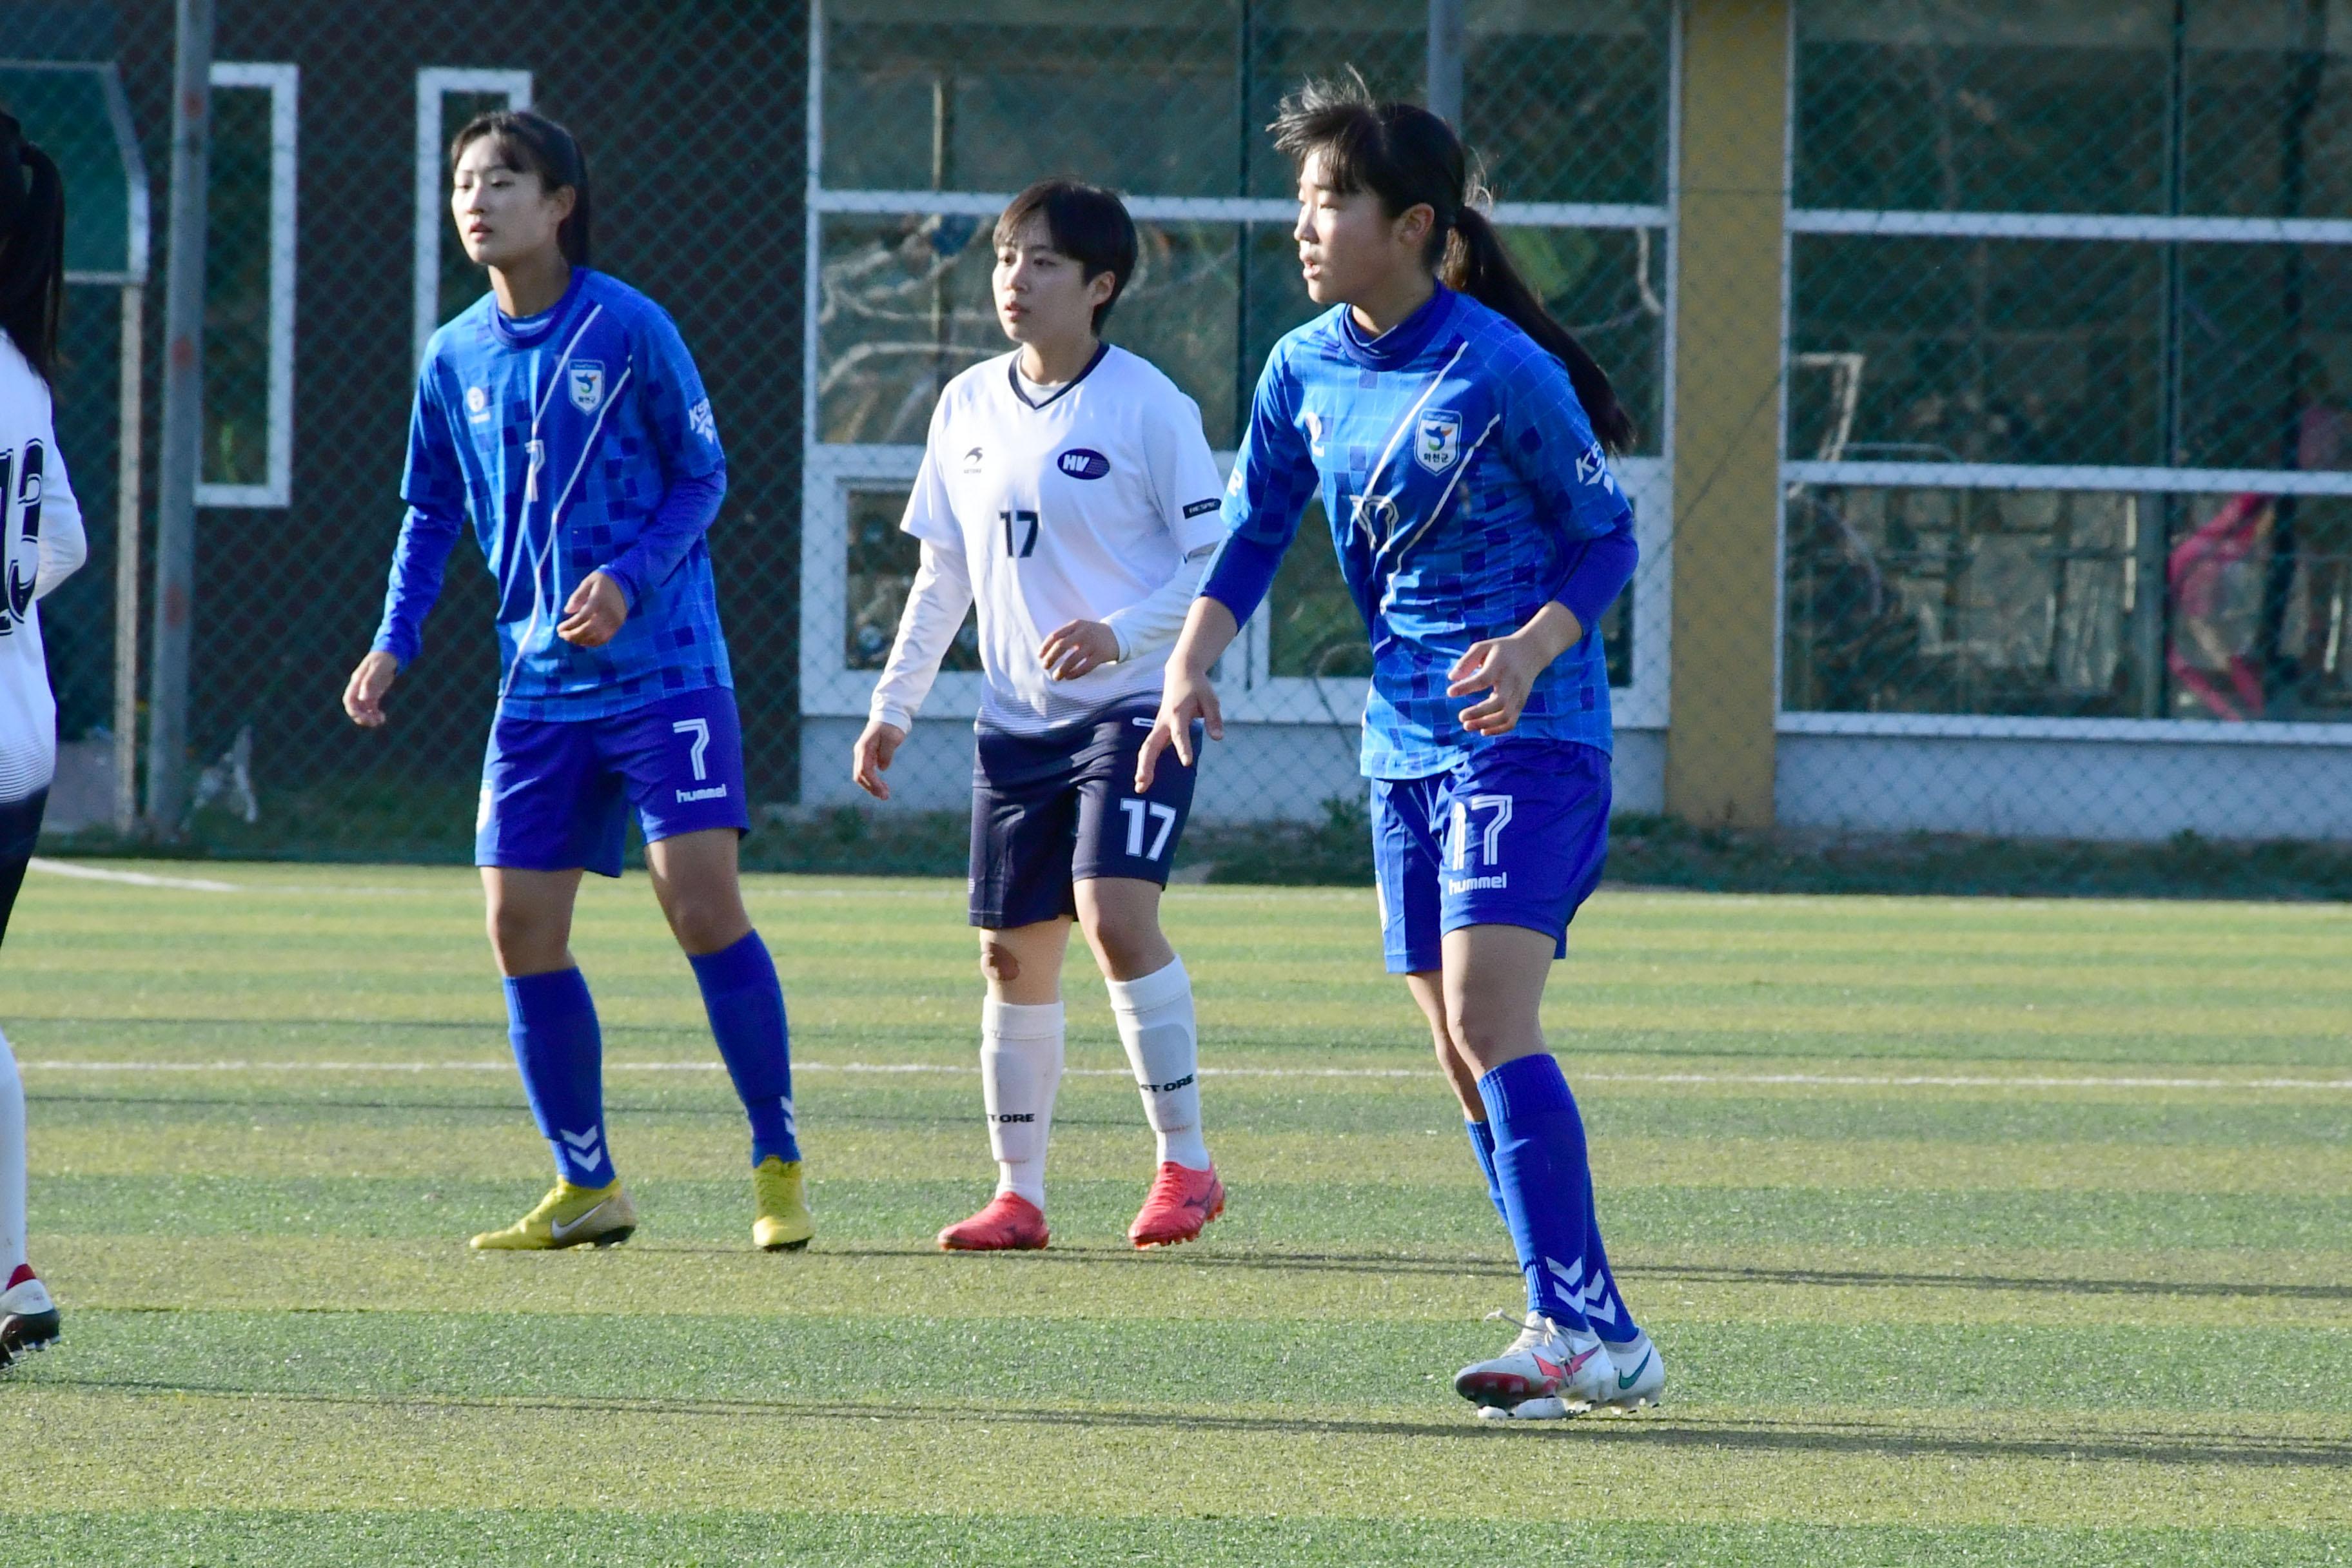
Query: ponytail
[[1477, 265], [1410, 157], [32, 249]]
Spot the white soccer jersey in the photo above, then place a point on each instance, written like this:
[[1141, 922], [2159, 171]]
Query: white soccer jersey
[[1093, 501], [41, 543]]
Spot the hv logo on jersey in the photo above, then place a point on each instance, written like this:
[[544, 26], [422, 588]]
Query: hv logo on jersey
[[1437, 439], [584, 379]]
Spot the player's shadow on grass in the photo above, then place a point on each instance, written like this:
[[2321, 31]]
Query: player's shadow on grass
[[1655, 1430]]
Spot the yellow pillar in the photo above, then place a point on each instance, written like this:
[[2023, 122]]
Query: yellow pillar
[[1728, 365]]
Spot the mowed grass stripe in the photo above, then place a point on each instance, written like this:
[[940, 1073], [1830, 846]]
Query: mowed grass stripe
[[1322, 1213], [1983, 980], [1104, 1280], [798, 1352], [432, 1538], [870, 1451], [300, 1105], [1091, 1143]]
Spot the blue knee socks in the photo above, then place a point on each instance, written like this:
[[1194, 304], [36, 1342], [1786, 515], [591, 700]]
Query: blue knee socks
[[1599, 1300], [551, 1020], [746, 1003], [1539, 1165]]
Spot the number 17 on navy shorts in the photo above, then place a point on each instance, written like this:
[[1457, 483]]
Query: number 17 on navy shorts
[[556, 792]]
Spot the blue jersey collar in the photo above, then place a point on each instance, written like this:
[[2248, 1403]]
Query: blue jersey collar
[[1396, 346], [526, 332]]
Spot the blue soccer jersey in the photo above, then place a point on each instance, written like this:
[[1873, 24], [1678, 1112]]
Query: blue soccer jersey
[[576, 440], [1465, 489]]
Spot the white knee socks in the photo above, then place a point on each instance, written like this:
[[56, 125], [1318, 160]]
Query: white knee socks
[[1020, 1070], [1155, 1024], [12, 1164]]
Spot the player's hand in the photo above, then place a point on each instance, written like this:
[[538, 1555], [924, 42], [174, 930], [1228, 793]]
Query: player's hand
[[364, 693], [1071, 651], [1187, 699], [877, 744], [593, 613], [1506, 669]]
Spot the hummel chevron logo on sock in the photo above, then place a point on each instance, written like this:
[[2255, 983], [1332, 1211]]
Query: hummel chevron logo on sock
[[585, 1146], [1569, 1277], [1594, 1302]]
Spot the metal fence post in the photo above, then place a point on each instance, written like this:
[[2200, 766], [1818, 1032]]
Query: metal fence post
[[178, 452], [1444, 87]]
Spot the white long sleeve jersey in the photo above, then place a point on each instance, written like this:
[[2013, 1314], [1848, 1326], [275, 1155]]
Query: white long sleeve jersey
[[1095, 501], [41, 543]]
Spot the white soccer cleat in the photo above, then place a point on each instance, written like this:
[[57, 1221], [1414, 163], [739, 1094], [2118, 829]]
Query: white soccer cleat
[[1639, 1378], [1545, 1362], [28, 1317]]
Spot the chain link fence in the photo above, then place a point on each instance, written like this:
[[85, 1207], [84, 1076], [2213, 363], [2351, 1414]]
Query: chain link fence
[[1992, 367]]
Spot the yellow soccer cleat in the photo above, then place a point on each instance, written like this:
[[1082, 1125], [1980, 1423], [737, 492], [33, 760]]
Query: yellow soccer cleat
[[784, 1224], [567, 1216]]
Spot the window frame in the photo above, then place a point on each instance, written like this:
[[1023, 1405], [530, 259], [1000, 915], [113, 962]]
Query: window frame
[[1254, 695], [434, 85], [2119, 228], [283, 81]]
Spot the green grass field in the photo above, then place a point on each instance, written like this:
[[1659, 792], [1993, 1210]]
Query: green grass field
[[1974, 1231]]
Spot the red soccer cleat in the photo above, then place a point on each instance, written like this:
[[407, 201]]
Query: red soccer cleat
[[1009, 1223], [1181, 1203]]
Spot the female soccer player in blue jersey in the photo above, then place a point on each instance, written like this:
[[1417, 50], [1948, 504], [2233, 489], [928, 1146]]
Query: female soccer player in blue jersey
[[1451, 425], [563, 412]]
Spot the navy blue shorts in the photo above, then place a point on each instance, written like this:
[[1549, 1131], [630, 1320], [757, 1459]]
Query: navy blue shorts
[[20, 830], [556, 792], [1514, 836], [1054, 810]]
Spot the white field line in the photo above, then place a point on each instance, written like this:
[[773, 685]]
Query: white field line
[[1763, 1079], [136, 878]]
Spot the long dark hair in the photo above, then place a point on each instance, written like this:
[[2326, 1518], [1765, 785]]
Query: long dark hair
[[534, 142], [32, 249], [1408, 157]]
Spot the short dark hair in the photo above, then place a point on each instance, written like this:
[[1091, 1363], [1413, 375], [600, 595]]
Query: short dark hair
[[1086, 223], [537, 145]]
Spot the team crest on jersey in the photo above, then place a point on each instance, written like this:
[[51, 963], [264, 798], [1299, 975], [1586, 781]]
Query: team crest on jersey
[[478, 403], [584, 379], [1083, 463], [1437, 439]]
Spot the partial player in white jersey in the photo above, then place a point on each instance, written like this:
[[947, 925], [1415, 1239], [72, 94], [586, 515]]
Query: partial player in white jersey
[[41, 543], [1068, 489]]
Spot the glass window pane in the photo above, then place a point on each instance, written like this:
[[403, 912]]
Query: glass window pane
[[2059, 604], [882, 563], [237, 291], [2267, 108], [1567, 101], [1976, 350], [1608, 287], [920, 95], [2266, 350], [905, 305], [2056, 106]]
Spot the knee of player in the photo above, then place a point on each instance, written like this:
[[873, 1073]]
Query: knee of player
[[1126, 938], [999, 962], [1484, 1032]]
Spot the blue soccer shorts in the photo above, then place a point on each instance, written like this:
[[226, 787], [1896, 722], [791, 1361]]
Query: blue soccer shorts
[[1514, 835], [1054, 810], [556, 792]]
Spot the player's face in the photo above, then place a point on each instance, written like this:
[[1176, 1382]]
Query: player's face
[[504, 215], [1041, 295], [1350, 248]]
